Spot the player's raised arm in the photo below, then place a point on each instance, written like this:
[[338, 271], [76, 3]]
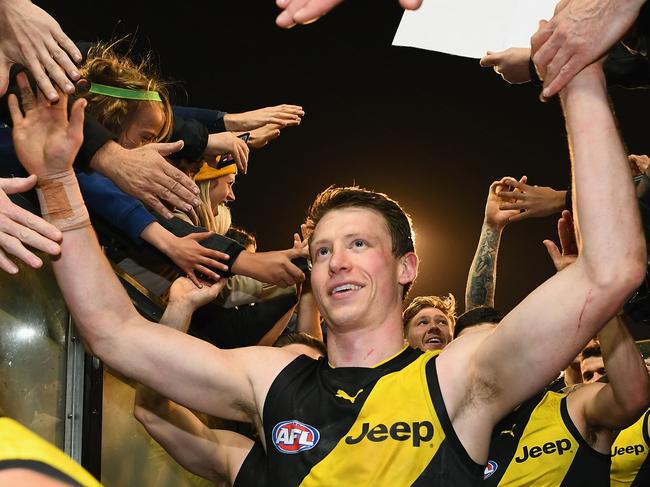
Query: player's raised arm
[[549, 327]]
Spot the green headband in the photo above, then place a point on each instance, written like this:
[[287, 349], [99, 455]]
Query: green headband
[[126, 93]]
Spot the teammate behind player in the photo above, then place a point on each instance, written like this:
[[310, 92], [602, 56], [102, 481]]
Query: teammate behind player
[[429, 322]]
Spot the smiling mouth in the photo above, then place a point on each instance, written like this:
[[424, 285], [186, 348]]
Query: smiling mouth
[[344, 289], [433, 341]]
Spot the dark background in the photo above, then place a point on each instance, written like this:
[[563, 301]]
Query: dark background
[[429, 129]]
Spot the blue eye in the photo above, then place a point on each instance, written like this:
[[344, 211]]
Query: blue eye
[[323, 251]]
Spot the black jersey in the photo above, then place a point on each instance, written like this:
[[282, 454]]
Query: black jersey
[[380, 426], [538, 444]]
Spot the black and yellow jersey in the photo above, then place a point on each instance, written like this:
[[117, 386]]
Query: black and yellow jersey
[[380, 426], [538, 444], [20, 448], [630, 459]]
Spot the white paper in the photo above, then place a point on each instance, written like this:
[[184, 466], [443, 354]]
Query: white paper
[[471, 27]]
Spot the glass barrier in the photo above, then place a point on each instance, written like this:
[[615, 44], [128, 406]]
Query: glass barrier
[[130, 457], [33, 327]]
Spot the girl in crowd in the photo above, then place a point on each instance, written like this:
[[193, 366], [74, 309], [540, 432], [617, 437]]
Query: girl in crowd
[[133, 103], [215, 182]]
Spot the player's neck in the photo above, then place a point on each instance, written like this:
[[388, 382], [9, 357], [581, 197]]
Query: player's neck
[[364, 347]]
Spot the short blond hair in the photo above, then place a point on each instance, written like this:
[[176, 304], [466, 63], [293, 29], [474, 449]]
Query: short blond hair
[[445, 304]]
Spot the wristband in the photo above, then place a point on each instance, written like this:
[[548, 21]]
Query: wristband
[[61, 201]]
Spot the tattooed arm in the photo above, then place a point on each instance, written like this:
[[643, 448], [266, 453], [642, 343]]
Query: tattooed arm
[[482, 275], [481, 280]]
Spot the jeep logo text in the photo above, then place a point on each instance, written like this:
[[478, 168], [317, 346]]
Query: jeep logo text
[[417, 432]]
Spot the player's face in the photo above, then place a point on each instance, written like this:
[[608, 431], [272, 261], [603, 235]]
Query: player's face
[[592, 369], [429, 330], [354, 275]]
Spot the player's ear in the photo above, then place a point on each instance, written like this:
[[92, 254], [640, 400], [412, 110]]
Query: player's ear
[[408, 268]]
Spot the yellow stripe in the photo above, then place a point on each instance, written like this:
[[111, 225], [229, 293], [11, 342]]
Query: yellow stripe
[[398, 403], [18, 443], [545, 435]]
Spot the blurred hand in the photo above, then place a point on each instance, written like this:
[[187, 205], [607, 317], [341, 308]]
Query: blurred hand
[[639, 164], [34, 39], [19, 227], [580, 32], [282, 115], [261, 136], [184, 292], [45, 142], [511, 64], [144, 173], [494, 213], [190, 256], [301, 244], [306, 11], [569, 248], [228, 143], [531, 201]]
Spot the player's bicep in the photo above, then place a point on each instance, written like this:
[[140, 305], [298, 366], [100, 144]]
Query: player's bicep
[[543, 334], [182, 368], [602, 409]]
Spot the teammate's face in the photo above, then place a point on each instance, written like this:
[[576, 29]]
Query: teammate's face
[[592, 369], [355, 277], [429, 330]]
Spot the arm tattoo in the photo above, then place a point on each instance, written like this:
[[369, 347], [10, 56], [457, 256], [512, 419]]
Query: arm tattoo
[[481, 281]]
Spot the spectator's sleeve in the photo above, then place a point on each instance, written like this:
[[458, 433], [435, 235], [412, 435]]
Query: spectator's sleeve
[[212, 119], [239, 327], [195, 136], [626, 68], [218, 242], [95, 136], [106, 200]]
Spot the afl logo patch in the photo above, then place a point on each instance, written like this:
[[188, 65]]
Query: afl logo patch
[[490, 468], [293, 437]]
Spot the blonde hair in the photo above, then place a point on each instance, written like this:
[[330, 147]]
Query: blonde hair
[[445, 304], [205, 217], [105, 66]]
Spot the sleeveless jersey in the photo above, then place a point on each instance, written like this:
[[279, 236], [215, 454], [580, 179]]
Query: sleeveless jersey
[[630, 459], [20, 448], [380, 426], [538, 444]]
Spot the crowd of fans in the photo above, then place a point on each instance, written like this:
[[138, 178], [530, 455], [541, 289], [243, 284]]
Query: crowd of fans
[[339, 375]]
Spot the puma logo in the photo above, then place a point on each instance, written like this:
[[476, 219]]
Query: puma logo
[[509, 432], [344, 395]]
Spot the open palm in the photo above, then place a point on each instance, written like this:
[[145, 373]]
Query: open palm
[[45, 141]]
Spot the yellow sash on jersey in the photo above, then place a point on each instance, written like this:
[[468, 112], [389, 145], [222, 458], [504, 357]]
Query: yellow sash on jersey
[[394, 438], [546, 448], [18, 443], [629, 451]]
